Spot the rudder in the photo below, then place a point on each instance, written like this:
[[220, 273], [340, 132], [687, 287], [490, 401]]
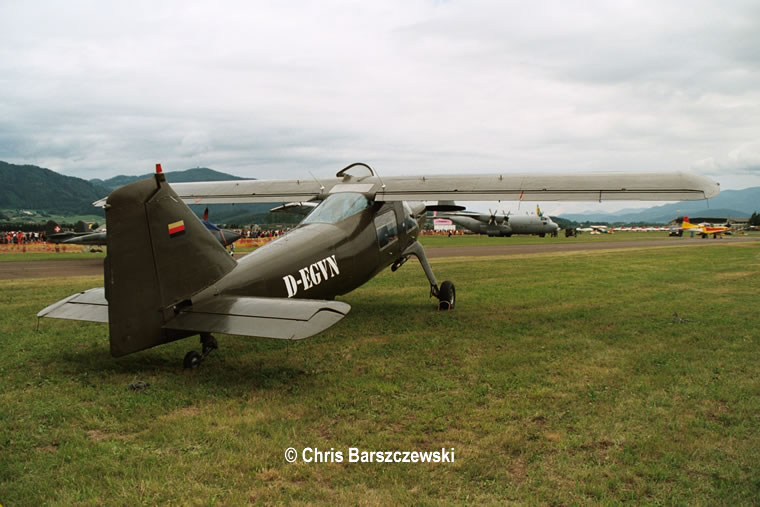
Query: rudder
[[159, 254]]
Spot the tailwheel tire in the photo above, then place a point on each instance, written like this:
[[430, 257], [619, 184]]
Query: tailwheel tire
[[192, 359], [447, 296]]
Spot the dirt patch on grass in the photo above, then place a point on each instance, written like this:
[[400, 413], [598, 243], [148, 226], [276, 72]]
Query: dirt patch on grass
[[100, 436], [97, 435], [733, 275], [183, 412], [518, 471]]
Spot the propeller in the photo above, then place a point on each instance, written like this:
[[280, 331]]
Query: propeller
[[494, 218]]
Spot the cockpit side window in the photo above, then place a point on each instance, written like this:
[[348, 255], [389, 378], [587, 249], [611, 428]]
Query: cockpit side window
[[387, 230], [337, 207], [409, 222]]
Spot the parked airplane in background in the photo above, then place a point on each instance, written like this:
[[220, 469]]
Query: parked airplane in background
[[703, 229], [55, 234], [505, 224], [596, 229], [167, 278]]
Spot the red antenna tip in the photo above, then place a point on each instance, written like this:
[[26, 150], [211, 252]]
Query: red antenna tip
[[158, 168]]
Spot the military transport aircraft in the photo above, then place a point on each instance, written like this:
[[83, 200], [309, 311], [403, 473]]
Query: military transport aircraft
[[505, 224], [167, 278]]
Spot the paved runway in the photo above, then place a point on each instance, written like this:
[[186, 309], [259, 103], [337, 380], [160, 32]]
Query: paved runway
[[88, 267], [50, 269], [573, 246]]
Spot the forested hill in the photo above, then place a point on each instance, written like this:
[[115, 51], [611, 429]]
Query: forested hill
[[197, 174], [35, 188]]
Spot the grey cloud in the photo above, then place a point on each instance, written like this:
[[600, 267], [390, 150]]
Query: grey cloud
[[407, 86]]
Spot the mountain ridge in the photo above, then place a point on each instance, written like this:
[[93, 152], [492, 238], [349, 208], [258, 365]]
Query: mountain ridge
[[729, 203], [37, 188], [184, 176]]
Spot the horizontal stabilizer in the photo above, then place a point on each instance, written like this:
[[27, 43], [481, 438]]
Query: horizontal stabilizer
[[90, 305], [287, 319]]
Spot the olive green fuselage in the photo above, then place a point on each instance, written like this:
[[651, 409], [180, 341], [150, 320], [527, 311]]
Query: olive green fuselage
[[321, 260]]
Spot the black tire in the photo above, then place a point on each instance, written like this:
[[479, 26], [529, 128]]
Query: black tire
[[192, 360], [447, 295]]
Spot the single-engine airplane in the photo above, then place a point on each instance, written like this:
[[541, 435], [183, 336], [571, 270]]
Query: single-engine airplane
[[167, 278], [704, 230], [596, 229]]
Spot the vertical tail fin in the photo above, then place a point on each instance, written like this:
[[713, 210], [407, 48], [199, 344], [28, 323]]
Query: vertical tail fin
[[159, 255], [52, 228], [81, 227]]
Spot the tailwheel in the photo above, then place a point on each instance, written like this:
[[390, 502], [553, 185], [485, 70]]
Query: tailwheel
[[447, 296]]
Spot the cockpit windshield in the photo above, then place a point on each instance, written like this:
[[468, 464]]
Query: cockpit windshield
[[337, 207]]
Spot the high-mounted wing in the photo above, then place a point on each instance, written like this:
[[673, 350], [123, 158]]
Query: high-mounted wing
[[550, 187], [241, 191], [490, 187], [250, 191]]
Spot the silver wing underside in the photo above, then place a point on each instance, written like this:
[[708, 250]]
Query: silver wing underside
[[485, 187]]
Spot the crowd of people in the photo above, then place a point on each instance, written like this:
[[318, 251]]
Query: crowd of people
[[275, 233], [21, 238]]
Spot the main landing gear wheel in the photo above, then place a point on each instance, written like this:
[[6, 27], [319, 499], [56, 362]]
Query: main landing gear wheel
[[208, 344], [447, 296]]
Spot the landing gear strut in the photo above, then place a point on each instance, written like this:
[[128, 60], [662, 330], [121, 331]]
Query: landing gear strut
[[446, 294], [208, 343]]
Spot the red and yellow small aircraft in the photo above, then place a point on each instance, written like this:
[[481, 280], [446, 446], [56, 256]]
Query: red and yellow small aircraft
[[704, 230]]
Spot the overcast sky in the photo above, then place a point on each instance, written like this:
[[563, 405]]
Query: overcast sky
[[277, 89]]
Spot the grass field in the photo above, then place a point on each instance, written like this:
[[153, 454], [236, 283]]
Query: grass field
[[625, 376], [481, 240], [49, 256]]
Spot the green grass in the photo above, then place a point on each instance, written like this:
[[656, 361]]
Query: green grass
[[562, 379], [50, 256]]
